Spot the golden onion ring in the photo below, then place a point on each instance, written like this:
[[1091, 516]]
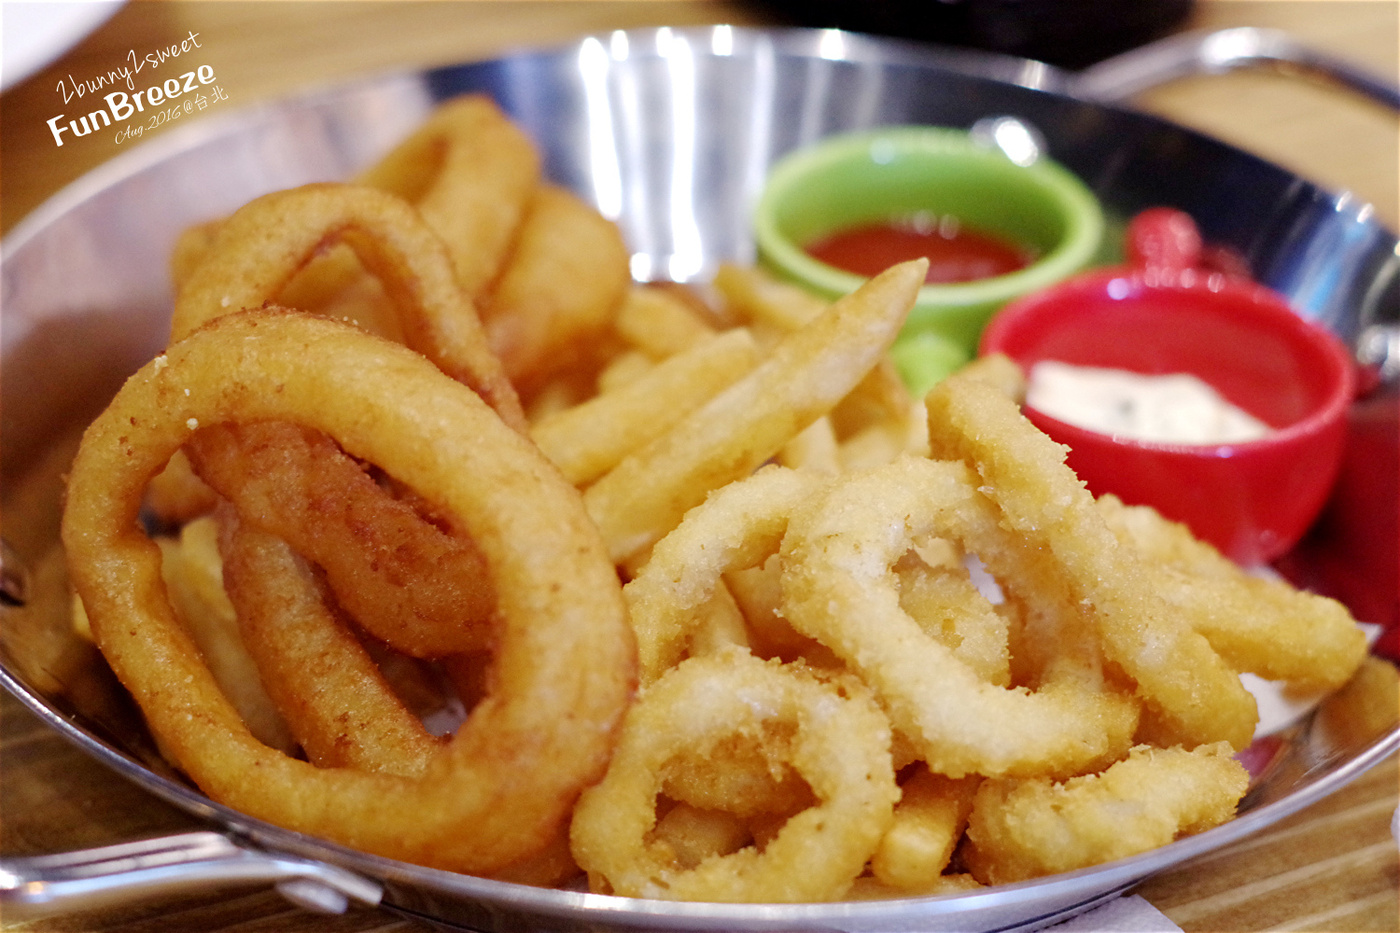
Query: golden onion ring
[[564, 667]]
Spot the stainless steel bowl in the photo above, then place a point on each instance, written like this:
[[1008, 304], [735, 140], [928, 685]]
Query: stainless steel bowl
[[670, 132]]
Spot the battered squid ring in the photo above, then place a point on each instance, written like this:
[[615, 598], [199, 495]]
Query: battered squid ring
[[1257, 624], [974, 419], [1026, 829], [564, 669], [838, 587], [737, 526], [840, 745]]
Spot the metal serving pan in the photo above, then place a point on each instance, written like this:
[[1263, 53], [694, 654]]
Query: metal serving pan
[[671, 132]]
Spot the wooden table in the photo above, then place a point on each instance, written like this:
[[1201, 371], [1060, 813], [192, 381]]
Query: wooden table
[[1331, 867]]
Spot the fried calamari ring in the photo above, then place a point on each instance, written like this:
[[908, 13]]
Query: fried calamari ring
[[470, 172], [1257, 624], [564, 667], [1175, 668], [838, 588], [838, 743], [807, 373], [262, 245], [1026, 829], [737, 776], [948, 606], [738, 526]]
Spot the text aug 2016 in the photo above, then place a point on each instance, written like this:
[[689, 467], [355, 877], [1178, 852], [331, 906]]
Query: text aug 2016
[[121, 106]]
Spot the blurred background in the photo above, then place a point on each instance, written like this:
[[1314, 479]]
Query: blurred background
[[1068, 33], [260, 49]]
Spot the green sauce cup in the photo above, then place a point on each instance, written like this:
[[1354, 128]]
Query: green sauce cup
[[892, 173]]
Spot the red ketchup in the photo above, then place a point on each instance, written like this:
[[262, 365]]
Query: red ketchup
[[955, 253]]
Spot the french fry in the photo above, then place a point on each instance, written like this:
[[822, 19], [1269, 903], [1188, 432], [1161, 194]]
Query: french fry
[[591, 438], [928, 822], [658, 323], [193, 573], [881, 398], [815, 448], [765, 302], [807, 373], [624, 369]]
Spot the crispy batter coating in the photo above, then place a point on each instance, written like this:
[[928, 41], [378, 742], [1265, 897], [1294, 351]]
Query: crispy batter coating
[[838, 742], [502, 789], [1200, 697], [1025, 829]]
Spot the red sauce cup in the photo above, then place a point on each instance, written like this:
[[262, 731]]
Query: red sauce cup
[[1166, 312]]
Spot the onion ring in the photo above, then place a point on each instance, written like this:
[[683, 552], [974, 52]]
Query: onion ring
[[281, 477], [405, 581], [567, 276], [565, 663], [330, 691], [260, 247], [470, 172], [840, 744]]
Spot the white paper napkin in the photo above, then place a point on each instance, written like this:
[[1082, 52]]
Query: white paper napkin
[[1127, 914]]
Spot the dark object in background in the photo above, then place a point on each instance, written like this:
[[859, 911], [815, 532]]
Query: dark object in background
[[1067, 33]]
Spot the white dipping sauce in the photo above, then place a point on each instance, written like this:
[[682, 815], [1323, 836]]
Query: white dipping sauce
[[1175, 409]]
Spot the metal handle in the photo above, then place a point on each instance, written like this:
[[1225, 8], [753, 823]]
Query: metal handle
[[187, 863], [1126, 75]]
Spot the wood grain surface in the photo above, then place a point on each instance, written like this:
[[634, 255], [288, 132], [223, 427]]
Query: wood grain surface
[[1331, 867]]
